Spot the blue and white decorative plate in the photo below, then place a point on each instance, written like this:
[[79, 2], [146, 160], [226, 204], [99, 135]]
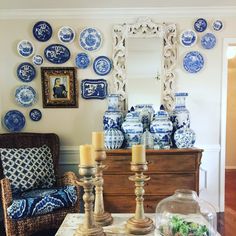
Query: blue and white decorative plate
[[188, 38], [57, 53], [217, 25], [90, 39], [184, 138], [37, 60], [200, 25], [14, 121], [26, 72], [35, 114], [102, 65], [25, 48], [42, 31], [66, 34], [82, 60], [208, 41], [193, 62], [94, 89], [25, 95]]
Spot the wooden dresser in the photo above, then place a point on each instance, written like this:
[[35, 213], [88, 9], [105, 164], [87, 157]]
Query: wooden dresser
[[169, 170]]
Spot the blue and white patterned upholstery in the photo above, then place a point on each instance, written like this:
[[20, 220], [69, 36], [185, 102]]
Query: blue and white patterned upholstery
[[28, 168], [41, 201]]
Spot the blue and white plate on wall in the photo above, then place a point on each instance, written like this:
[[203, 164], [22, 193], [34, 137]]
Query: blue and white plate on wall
[[42, 31], [57, 53], [193, 62], [14, 121], [82, 60], [37, 60], [217, 25], [188, 38], [66, 34], [25, 95], [25, 48], [102, 65], [208, 41], [200, 25], [90, 39], [26, 72], [35, 114]]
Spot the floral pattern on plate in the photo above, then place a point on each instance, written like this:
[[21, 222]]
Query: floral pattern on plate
[[82, 60], [90, 39], [35, 114], [208, 41], [217, 25], [26, 72], [42, 31], [25, 48], [193, 62], [188, 38], [37, 60], [200, 25], [14, 121], [102, 65], [25, 96], [66, 34]]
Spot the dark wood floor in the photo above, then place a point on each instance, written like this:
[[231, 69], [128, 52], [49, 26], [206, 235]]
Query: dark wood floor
[[226, 222]]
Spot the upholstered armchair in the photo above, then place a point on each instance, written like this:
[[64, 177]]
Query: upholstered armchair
[[28, 225]]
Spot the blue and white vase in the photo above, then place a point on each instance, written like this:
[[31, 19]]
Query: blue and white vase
[[146, 113], [161, 129], [184, 138], [180, 116], [132, 129], [113, 117], [113, 138]]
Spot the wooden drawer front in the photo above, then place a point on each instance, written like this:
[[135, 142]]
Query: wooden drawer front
[[160, 163], [164, 184], [126, 204]]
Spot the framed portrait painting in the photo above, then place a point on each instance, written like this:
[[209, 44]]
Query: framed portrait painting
[[59, 87]]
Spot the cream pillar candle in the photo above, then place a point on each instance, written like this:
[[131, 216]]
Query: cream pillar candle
[[86, 155], [138, 154], [98, 140]]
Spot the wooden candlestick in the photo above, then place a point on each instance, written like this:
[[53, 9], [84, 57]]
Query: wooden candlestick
[[102, 218], [89, 227], [139, 224]]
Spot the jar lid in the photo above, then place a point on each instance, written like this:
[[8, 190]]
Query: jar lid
[[181, 94]]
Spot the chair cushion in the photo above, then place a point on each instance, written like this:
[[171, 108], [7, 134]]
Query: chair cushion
[[41, 201], [28, 168]]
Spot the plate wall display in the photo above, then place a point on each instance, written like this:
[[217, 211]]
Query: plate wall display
[[35, 114], [42, 31], [217, 25], [37, 60], [208, 41], [57, 53], [193, 62], [94, 89], [14, 121], [82, 60], [200, 25], [25, 48], [188, 38], [66, 34], [102, 65], [90, 39], [26, 72], [25, 95]]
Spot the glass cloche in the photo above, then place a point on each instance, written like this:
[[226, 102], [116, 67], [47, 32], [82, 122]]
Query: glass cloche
[[184, 214]]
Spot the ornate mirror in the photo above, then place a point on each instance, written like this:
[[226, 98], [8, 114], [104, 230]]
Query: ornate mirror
[[145, 37]]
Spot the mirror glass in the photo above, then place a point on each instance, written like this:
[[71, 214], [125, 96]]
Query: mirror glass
[[143, 71]]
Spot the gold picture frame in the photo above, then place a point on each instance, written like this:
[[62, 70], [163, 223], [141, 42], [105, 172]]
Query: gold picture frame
[[59, 87]]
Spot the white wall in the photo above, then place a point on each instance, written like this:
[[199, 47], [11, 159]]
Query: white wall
[[74, 126]]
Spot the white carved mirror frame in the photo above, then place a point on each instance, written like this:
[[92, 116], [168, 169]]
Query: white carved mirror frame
[[145, 27]]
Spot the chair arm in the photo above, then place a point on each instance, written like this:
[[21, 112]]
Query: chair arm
[[69, 178], [6, 192]]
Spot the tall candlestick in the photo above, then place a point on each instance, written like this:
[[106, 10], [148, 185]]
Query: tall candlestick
[[138, 154], [86, 155], [98, 140]]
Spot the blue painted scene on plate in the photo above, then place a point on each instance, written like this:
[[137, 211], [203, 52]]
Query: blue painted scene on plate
[[193, 62]]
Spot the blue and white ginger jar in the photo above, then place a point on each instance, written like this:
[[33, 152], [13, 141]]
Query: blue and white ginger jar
[[161, 128], [113, 117], [184, 138], [132, 129], [113, 138], [146, 113], [180, 116]]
